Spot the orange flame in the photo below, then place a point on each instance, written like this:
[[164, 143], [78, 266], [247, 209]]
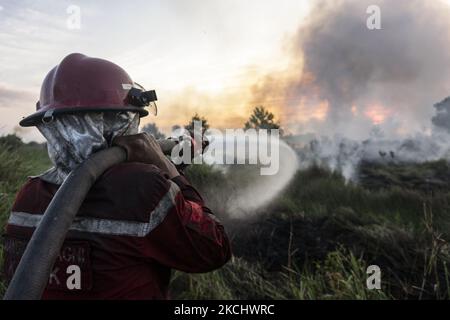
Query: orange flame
[[377, 113]]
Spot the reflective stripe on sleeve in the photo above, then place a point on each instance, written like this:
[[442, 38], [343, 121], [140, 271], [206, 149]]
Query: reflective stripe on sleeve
[[107, 226]]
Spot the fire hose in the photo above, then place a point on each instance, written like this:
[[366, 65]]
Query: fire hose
[[45, 244]]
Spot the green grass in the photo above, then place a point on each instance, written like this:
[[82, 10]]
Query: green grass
[[316, 239], [17, 162], [320, 192], [237, 280], [341, 276]]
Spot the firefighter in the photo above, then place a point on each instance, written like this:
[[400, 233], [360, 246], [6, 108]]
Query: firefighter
[[140, 220]]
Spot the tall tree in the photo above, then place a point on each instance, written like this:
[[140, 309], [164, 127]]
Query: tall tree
[[196, 117], [262, 119]]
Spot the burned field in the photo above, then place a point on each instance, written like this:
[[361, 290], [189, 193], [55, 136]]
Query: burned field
[[317, 238]]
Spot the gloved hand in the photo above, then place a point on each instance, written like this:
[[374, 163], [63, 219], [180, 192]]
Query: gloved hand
[[144, 148]]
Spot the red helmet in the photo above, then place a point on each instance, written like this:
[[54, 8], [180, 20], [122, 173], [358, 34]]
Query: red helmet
[[81, 83]]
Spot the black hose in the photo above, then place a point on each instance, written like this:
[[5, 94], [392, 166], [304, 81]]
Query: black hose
[[32, 273]]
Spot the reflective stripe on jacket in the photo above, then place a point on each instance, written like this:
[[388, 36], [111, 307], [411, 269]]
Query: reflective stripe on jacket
[[134, 226]]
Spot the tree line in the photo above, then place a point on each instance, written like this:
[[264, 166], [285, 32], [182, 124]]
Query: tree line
[[260, 118]]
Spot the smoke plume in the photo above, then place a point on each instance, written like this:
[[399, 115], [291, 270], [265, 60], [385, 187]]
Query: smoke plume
[[344, 78], [441, 119]]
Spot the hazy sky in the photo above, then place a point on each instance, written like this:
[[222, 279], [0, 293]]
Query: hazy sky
[[313, 62], [200, 55]]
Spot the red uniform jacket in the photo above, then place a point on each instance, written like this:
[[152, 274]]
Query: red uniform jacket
[[134, 226]]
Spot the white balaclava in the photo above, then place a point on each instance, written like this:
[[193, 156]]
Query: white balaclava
[[72, 138]]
